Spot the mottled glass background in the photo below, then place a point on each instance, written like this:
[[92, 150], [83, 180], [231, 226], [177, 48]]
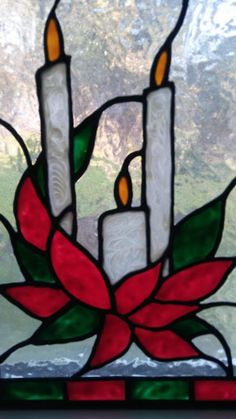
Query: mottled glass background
[[112, 44]]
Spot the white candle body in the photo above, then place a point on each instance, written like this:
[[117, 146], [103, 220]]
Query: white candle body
[[159, 169], [56, 117], [124, 247]]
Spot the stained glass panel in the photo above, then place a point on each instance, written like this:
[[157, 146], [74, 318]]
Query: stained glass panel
[[117, 202]]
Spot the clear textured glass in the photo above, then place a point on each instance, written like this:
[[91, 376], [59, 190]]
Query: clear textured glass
[[112, 45]]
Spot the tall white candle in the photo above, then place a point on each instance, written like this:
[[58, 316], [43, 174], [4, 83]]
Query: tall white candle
[[56, 118], [159, 168], [159, 145]]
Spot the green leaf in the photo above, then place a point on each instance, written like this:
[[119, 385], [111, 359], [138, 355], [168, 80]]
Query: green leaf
[[35, 265], [77, 323], [83, 142], [198, 235], [191, 328]]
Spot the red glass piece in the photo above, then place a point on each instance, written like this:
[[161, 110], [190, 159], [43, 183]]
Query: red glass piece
[[136, 289], [165, 345], [114, 340], [78, 274], [32, 216], [40, 301], [194, 283], [220, 390], [160, 315], [96, 390]]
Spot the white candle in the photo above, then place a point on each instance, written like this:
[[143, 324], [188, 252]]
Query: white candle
[[56, 117], [123, 244], [159, 146], [159, 168], [123, 233]]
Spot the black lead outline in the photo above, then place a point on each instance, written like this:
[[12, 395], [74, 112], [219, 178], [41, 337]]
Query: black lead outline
[[167, 47], [171, 86], [223, 195], [132, 338], [66, 60], [19, 139], [14, 237], [124, 172], [52, 15], [219, 199], [124, 317]]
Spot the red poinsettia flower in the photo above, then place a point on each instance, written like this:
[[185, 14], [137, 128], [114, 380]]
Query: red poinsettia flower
[[141, 308]]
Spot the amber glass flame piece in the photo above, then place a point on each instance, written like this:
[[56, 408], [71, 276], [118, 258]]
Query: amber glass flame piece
[[53, 44], [161, 68], [123, 190]]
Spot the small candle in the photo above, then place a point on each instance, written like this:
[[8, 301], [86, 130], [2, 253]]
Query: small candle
[[159, 159], [54, 92], [123, 235]]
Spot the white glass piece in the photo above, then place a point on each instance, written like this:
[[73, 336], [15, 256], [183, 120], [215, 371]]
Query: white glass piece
[[224, 319], [87, 234], [124, 243], [66, 222], [9, 266], [136, 364], [56, 118], [159, 169], [209, 345], [61, 360], [16, 326]]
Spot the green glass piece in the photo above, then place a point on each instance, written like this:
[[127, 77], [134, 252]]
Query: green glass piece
[[81, 143], [198, 237], [76, 323], [159, 390], [190, 328], [32, 390], [35, 265]]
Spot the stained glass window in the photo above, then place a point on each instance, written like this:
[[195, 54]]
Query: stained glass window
[[117, 202]]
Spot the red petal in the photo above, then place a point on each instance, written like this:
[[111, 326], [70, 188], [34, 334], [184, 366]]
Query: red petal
[[114, 340], [165, 345], [96, 390], [219, 390], [194, 283], [33, 219], [78, 274], [40, 301], [136, 289], [160, 315]]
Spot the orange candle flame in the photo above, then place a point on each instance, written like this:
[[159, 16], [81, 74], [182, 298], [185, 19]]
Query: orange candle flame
[[123, 190], [161, 68], [54, 47]]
